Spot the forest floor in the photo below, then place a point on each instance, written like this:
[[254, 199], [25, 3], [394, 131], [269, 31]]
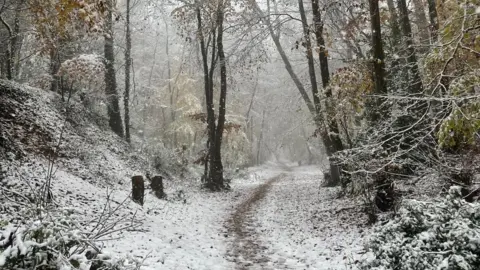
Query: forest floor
[[289, 221], [276, 217]]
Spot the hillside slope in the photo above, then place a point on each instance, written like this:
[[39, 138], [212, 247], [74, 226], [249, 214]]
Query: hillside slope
[[32, 122], [91, 182]]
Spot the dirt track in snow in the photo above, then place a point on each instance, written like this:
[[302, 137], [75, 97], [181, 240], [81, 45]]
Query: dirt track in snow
[[248, 251]]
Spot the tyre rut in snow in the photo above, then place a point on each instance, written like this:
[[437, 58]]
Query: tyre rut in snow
[[247, 251]]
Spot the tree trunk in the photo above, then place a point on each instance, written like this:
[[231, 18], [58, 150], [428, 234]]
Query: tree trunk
[[170, 88], [396, 74], [307, 147], [374, 103], [432, 12], [310, 61], [9, 51], [249, 119], [252, 99], [128, 62], [115, 118], [54, 67], [213, 163], [323, 58], [310, 105], [206, 81], [14, 40], [322, 55], [260, 138], [17, 41], [422, 23], [412, 67], [211, 114], [328, 141], [396, 34], [216, 166]]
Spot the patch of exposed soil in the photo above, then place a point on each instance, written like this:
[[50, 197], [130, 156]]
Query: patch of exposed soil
[[247, 250]]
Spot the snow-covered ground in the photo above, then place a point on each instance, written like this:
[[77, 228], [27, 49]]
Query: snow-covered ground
[[278, 211], [191, 234], [304, 225], [300, 225], [297, 225], [178, 235]]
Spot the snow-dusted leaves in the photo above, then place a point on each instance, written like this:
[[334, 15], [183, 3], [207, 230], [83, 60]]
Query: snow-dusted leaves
[[57, 21], [442, 235], [56, 240], [85, 71], [84, 75], [461, 127]]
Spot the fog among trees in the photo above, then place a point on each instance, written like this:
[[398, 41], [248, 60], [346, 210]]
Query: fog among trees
[[351, 125]]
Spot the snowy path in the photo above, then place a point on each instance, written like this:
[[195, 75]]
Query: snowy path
[[247, 250], [290, 222]]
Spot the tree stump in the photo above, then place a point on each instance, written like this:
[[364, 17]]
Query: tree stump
[[138, 189], [157, 186]]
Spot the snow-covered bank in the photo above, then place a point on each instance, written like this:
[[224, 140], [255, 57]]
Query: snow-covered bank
[[180, 233], [183, 232]]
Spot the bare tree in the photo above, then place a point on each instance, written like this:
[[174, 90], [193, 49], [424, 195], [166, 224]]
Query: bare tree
[[421, 23], [213, 162], [115, 118], [315, 106], [334, 137], [128, 63], [395, 28], [170, 88], [216, 166], [432, 11], [375, 114], [412, 67]]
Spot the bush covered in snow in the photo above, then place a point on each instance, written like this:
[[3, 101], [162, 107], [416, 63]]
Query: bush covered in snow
[[429, 235], [53, 243]]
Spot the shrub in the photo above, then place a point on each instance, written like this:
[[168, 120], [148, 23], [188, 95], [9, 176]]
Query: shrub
[[429, 235], [53, 243]]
